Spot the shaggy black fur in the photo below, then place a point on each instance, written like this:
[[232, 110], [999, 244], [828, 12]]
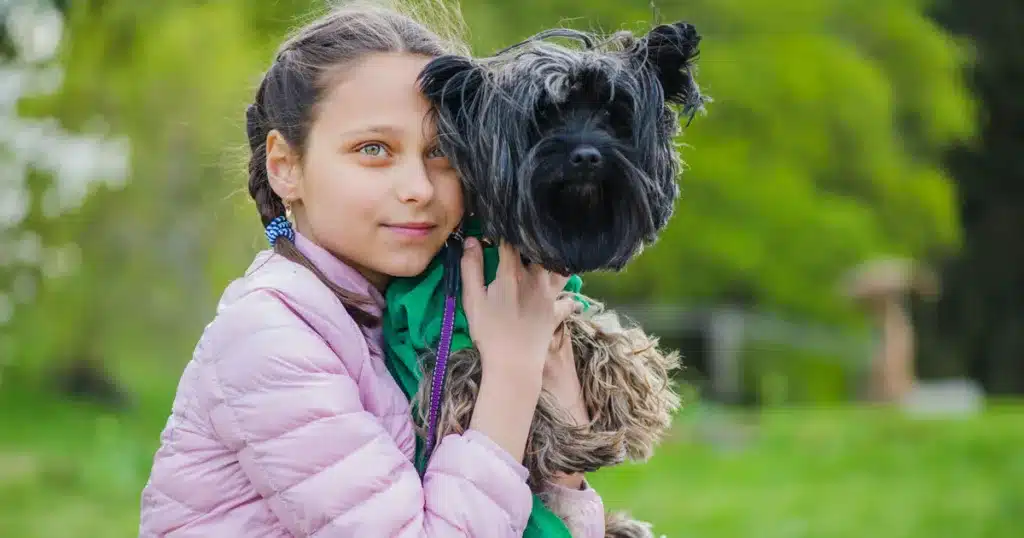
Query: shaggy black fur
[[568, 153]]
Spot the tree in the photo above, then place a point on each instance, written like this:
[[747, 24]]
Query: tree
[[147, 251], [50, 172], [978, 326]]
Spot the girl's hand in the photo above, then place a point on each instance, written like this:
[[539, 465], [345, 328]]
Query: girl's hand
[[511, 322], [512, 319]]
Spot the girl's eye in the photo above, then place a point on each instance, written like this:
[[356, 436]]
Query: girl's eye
[[373, 150], [435, 153]]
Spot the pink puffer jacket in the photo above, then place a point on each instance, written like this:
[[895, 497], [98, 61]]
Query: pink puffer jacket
[[286, 423]]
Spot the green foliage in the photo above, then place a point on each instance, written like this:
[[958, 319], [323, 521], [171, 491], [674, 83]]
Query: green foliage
[[156, 253], [821, 150]]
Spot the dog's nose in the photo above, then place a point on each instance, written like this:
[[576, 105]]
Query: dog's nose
[[585, 156]]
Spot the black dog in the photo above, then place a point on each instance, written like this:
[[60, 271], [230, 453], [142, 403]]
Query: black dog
[[568, 153]]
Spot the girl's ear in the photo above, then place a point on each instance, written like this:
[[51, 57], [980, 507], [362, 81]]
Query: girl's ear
[[283, 170]]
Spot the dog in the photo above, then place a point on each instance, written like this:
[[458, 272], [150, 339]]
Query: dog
[[568, 153]]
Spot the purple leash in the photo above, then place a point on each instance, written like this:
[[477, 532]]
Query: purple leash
[[453, 258]]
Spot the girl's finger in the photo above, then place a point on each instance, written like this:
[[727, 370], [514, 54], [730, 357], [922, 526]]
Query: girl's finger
[[472, 271], [509, 265], [564, 307]]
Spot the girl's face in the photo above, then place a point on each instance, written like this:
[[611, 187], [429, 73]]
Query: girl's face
[[372, 187]]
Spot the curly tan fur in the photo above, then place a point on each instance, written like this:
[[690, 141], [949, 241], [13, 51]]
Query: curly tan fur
[[627, 389], [619, 525]]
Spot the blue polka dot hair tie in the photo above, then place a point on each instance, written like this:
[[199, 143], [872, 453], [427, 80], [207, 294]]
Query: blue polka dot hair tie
[[280, 227]]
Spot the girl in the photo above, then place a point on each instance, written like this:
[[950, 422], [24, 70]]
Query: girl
[[286, 421]]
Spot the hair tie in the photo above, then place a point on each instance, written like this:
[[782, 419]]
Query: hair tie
[[280, 227]]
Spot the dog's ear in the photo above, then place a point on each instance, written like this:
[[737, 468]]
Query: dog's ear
[[671, 50], [451, 83]]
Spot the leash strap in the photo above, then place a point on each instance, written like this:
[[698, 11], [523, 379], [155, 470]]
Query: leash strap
[[452, 276]]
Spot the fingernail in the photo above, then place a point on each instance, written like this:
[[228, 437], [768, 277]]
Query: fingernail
[[471, 242], [577, 307]]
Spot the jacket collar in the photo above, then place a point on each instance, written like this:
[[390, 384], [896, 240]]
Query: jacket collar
[[340, 273]]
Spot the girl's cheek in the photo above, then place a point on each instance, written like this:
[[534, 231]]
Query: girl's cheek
[[457, 196], [450, 188]]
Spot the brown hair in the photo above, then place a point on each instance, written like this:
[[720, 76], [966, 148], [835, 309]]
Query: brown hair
[[300, 76]]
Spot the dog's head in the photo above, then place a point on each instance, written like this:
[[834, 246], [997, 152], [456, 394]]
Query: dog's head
[[568, 153]]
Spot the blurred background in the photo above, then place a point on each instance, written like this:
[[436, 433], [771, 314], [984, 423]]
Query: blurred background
[[840, 273]]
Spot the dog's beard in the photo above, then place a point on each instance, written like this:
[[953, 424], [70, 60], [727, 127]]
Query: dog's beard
[[575, 222]]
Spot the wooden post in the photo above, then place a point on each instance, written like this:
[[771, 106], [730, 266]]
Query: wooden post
[[892, 368], [881, 287]]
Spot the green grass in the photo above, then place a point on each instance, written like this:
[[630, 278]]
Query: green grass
[[835, 474], [70, 471]]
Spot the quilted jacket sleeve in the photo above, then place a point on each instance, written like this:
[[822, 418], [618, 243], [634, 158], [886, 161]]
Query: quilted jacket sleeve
[[283, 400], [582, 510]]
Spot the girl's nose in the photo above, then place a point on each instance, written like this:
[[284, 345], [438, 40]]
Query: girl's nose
[[414, 185]]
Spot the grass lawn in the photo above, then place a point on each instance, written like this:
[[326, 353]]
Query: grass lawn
[[69, 471]]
